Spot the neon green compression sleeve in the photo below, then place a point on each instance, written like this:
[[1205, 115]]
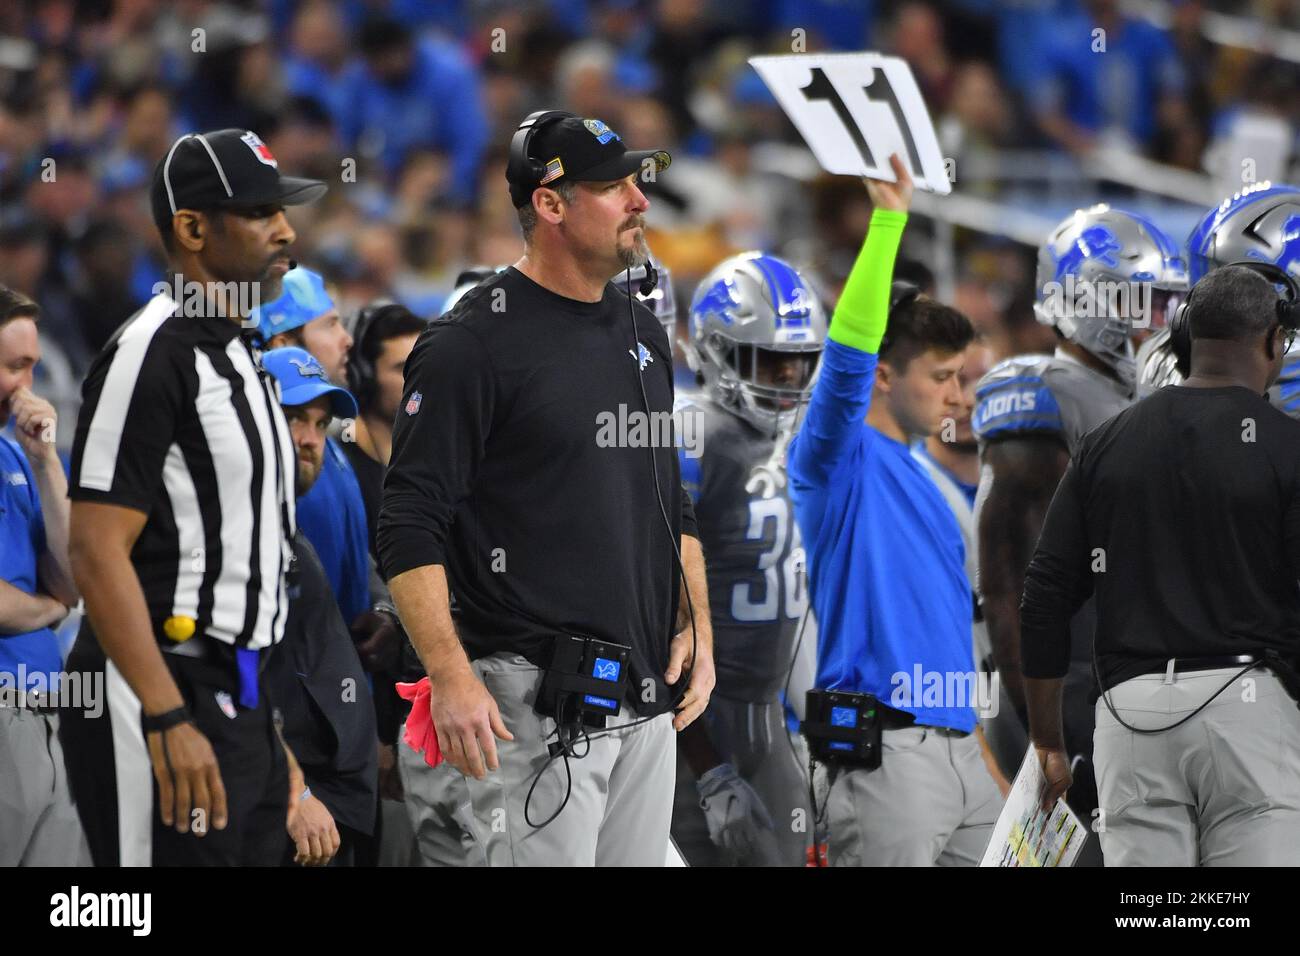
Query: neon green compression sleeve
[[863, 309]]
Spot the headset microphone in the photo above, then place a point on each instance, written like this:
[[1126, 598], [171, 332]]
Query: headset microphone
[[650, 281], [293, 263]]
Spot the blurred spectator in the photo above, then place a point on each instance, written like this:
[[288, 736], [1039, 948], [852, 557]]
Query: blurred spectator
[[411, 93], [1102, 76], [917, 37]]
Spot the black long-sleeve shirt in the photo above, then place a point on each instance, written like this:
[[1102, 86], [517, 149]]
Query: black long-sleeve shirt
[[512, 467], [1182, 514], [317, 682]]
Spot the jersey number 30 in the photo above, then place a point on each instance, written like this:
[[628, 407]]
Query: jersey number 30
[[760, 600]]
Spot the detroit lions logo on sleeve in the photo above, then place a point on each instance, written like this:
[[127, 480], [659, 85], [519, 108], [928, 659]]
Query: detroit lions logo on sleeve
[[1013, 399]]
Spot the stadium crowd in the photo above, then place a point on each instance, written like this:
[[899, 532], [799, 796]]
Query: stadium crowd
[[406, 109]]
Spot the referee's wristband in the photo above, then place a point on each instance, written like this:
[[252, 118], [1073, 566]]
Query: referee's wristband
[[166, 720]]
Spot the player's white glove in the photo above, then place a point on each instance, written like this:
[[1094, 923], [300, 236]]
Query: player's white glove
[[738, 821]]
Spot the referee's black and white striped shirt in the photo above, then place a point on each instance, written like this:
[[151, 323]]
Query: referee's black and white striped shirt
[[178, 422]]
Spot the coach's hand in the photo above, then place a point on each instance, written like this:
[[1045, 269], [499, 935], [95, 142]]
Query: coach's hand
[[893, 196], [467, 721], [1055, 765], [703, 677], [191, 787]]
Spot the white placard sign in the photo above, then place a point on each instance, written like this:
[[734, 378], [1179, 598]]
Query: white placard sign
[[854, 110]]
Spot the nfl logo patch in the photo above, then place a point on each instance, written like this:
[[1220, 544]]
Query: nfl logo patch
[[413, 403], [226, 703], [259, 148]]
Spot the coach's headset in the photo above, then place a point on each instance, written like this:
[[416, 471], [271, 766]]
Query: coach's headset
[[520, 166], [1288, 311]]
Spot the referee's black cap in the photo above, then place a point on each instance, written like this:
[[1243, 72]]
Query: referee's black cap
[[574, 149], [224, 168]]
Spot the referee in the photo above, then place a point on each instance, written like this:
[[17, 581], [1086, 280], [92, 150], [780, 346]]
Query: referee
[[1182, 515], [501, 487], [182, 490]]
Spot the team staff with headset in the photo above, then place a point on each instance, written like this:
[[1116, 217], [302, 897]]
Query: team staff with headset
[[573, 560], [1181, 517]]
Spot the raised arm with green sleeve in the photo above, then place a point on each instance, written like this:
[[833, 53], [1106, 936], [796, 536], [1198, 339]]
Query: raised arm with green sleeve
[[863, 309]]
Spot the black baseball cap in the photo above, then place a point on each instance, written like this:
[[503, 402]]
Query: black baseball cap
[[224, 168], [574, 149]]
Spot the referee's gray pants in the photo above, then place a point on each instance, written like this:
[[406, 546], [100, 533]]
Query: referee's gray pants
[[1222, 789], [931, 802], [620, 800]]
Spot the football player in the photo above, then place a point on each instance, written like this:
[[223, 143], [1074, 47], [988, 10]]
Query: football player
[[1103, 275], [1261, 222], [756, 334]]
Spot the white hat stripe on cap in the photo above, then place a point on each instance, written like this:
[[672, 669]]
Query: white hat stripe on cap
[[167, 179], [216, 162]]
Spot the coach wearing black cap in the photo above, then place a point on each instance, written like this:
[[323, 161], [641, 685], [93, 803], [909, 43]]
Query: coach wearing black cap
[[182, 492], [549, 527], [1182, 516]]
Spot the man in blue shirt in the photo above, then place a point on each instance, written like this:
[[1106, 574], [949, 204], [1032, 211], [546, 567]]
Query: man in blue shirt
[[332, 514], [1101, 76], [887, 566], [413, 94], [39, 824]]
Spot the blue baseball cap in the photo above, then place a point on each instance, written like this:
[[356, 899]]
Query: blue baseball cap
[[302, 380], [303, 298]]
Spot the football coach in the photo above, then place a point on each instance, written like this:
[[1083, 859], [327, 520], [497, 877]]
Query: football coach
[[504, 489], [1182, 515]]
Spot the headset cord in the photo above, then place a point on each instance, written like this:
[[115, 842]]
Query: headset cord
[[1105, 696], [565, 744]]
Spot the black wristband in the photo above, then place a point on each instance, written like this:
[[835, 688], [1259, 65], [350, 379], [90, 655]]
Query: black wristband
[[166, 720]]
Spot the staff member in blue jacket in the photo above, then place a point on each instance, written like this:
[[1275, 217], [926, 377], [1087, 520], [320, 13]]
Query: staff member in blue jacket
[[886, 565]]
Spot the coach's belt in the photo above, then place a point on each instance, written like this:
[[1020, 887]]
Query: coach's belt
[[1184, 665]]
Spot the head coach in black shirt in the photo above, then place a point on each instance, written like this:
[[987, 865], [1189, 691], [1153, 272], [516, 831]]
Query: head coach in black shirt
[[527, 475], [182, 490], [1182, 515]]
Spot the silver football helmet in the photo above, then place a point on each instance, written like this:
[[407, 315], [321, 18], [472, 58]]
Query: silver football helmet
[[749, 317], [1104, 273], [1262, 222]]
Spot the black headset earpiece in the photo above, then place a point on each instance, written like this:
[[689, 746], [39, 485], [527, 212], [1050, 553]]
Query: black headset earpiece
[[361, 371], [520, 166]]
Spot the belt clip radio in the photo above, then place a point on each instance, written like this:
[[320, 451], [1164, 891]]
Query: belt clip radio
[[843, 728], [586, 682]]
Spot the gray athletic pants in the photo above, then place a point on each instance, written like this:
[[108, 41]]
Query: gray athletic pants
[[437, 802], [930, 802], [39, 825], [1222, 789], [619, 801]]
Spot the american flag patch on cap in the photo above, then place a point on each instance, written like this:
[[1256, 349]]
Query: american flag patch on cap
[[554, 170]]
